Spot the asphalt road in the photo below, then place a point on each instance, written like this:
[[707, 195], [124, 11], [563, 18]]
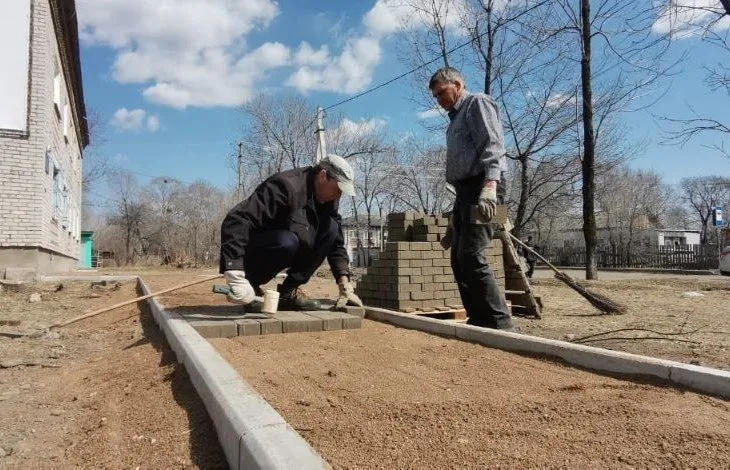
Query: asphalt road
[[579, 274]]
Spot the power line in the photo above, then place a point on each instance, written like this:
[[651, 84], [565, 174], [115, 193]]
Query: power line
[[388, 82]]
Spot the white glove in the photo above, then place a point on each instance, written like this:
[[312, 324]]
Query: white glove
[[347, 296], [241, 290], [488, 201]]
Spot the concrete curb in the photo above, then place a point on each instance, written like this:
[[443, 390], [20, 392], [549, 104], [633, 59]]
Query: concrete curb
[[696, 272], [701, 379], [252, 434]]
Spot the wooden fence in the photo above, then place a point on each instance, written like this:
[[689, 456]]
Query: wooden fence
[[662, 257]]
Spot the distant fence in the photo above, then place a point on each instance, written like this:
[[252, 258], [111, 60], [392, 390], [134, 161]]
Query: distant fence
[[666, 257]]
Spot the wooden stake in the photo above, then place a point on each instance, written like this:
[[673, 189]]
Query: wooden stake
[[122, 304]]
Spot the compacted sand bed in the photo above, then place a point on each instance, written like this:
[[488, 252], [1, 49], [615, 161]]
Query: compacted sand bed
[[386, 397]]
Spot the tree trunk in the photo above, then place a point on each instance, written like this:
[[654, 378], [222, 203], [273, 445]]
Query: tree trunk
[[524, 194], [589, 216]]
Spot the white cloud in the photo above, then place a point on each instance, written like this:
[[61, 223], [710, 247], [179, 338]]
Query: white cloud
[[186, 52], [391, 16], [349, 129], [134, 120], [560, 99], [687, 18], [430, 113], [352, 70], [153, 123], [349, 73]]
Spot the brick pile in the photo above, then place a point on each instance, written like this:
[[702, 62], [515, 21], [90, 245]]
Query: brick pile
[[414, 271]]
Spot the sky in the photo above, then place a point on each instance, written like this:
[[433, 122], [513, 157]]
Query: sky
[[167, 79]]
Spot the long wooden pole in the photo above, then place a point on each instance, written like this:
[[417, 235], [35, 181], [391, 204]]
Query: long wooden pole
[[122, 304]]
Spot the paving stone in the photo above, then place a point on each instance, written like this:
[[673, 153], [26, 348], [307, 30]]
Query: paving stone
[[270, 326], [330, 320], [248, 327], [351, 322], [298, 322], [207, 328]]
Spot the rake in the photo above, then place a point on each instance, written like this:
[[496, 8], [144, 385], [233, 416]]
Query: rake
[[601, 302]]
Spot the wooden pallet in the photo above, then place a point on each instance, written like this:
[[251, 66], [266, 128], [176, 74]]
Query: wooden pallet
[[452, 314]]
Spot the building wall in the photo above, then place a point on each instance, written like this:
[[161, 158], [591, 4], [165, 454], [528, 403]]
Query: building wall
[[33, 164]]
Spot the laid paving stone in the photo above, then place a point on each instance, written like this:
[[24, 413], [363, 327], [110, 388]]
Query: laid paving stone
[[330, 320], [207, 328], [298, 322], [270, 326], [351, 322], [248, 327], [215, 325]]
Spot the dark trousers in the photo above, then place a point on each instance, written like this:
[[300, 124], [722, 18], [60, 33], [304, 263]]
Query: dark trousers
[[478, 287], [271, 251], [530, 268]]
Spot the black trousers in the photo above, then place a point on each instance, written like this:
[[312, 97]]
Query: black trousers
[[271, 251], [478, 287]]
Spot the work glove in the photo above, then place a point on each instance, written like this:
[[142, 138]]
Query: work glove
[[488, 201], [347, 296], [446, 239], [241, 290]]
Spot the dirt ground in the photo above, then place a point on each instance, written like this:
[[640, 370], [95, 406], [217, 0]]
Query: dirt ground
[[385, 397], [102, 393], [106, 392]]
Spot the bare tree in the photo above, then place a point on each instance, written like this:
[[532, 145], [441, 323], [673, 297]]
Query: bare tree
[[419, 178], [682, 18], [702, 194], [630, 201], [278, 135], [621, 60], [130, 211]]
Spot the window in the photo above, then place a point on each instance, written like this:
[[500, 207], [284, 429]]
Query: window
[[66, 121], [59, 197], [57, 88]]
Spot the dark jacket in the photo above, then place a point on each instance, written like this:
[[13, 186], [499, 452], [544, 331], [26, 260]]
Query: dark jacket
[[285, 201]]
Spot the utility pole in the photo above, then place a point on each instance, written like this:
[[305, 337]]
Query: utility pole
[[240, 171], [321, 145]]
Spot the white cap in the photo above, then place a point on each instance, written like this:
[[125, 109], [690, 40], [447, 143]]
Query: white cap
[[338, 168]]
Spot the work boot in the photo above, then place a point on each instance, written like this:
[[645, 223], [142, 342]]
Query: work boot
[[294, 299]]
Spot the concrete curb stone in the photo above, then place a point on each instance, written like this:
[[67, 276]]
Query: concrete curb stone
[[252, 434], [701, 379]]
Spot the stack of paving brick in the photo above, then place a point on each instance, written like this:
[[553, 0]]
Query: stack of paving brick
[[414, 271]]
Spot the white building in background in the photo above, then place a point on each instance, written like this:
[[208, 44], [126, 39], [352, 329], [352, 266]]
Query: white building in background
[[43, 132]]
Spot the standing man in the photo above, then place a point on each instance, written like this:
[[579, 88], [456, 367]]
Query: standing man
[[289, 221], [474, 159]]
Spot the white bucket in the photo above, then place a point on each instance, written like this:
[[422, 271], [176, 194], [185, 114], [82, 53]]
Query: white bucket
[[271, 301]]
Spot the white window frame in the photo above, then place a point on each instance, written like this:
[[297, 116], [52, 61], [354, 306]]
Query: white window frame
[[57, 88]]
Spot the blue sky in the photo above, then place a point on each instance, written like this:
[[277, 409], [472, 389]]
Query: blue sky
[[171, 113]]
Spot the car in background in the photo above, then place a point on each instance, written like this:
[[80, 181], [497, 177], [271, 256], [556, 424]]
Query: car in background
[[725, 261]]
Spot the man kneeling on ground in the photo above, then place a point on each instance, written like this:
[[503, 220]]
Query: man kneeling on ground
[[289, 221]]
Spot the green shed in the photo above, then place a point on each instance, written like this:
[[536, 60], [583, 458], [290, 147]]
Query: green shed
[[87, 243]]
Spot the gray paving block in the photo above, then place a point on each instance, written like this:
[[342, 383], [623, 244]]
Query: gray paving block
[[714, 381], [357, 311], [248, 327], [330, 320], [298, 322], [270, 326], [207, 328], [351, 322], [229, 329]]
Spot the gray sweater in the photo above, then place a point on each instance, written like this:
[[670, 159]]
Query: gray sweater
[[474, 139]]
